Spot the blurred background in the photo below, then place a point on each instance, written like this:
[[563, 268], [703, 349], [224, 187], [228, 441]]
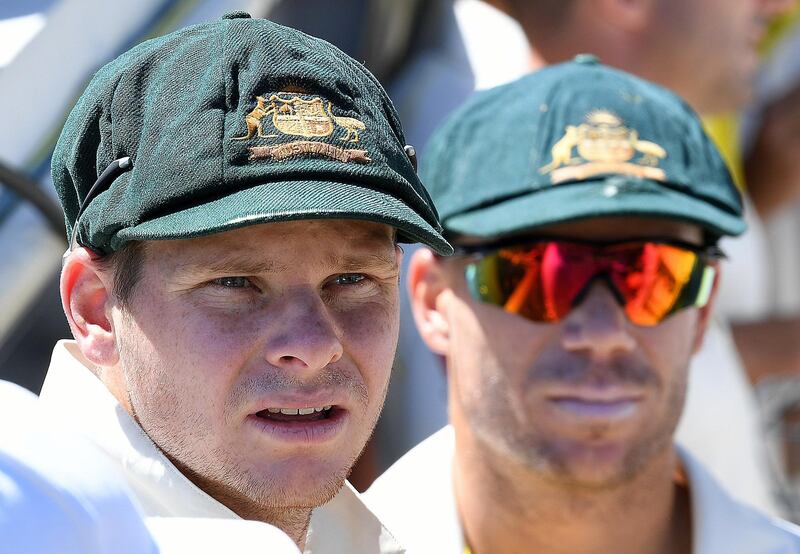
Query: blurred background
[[737, 62]]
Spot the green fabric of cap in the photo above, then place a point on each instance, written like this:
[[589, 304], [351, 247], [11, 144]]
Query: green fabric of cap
[[574, 141], [236, 122]]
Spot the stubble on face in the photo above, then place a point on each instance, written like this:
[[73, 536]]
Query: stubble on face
[[499, 363], [496, 389], [165, 414], [192, 409]]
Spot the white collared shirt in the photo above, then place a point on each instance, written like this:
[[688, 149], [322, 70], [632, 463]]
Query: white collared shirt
[[415, 499], [344, 525]]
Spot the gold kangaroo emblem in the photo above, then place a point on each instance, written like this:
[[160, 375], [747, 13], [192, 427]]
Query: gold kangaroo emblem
[[351, 125], [253, 120], [562, 150]]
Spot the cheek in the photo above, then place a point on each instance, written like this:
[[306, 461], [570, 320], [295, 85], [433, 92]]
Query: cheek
[[195, 354], [669, 346], [369, 336], [200, 334], [490, 349]]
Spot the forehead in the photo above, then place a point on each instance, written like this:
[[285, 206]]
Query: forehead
[[292, 239]]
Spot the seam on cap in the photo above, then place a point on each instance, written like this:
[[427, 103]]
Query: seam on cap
[[388, 108], [224, 110], [676, 187]]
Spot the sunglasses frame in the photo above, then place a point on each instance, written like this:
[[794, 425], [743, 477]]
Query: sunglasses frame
[[709, 252], [709, 255]]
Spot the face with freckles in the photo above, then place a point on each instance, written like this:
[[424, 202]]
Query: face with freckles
[[587, 400], [258, 359]]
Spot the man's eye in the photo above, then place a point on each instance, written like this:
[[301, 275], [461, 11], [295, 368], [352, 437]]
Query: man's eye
[[232, 282], [349, 279]]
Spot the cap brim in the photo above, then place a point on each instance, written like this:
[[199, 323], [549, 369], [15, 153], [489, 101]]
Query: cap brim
[[288, 201], [587, 199]]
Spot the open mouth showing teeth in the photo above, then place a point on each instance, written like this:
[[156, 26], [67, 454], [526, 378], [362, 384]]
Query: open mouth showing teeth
[[296, 414]]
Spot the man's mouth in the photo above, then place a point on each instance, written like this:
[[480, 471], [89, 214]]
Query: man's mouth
[[596, 403], [607, 409], [296, 414], [305, 425]]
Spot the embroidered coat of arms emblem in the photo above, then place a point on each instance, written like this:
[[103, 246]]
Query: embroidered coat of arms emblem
[[604, 145], [296, 116]]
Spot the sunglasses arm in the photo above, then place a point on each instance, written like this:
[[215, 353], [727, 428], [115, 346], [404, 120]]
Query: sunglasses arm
[[706, 286]]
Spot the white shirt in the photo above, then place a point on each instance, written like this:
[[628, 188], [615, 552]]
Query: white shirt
[[414, 498], [721, 423], [56, 494], [59, 493], [344, 525]]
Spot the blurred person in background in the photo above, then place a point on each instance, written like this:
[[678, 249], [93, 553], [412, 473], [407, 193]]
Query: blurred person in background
[[769, 127], [585, 206]]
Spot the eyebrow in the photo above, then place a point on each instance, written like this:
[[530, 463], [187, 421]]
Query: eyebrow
[[359, 261], [245, 265], [233, 264]]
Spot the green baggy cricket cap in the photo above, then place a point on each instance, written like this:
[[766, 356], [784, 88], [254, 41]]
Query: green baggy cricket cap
[[231, 123], [574, 141]]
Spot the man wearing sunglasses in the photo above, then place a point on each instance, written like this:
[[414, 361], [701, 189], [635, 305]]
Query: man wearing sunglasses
[[585, 205]]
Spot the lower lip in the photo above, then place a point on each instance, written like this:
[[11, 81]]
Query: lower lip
[[594, 410], [302, 432]]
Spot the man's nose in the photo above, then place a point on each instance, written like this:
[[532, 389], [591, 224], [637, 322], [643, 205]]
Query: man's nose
[[305, 336], [598, 324]]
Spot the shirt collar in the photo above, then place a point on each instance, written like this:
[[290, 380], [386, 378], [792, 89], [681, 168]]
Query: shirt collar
[[82, 401], [722, 524], [719, 523]]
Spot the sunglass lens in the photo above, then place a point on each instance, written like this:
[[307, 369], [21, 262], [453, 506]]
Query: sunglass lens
[[658, 281], [537, 282], [541, 282]]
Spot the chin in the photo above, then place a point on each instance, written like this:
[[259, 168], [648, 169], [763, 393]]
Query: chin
[[296, 482], [589, 465], [304, 494]]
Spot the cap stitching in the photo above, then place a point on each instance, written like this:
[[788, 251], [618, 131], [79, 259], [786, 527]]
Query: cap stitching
[[224, 111], [678, 187]]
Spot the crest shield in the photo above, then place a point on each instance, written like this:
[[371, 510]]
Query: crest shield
[[305, 118]]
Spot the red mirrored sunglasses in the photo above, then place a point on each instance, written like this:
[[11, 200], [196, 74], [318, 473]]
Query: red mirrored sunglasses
[[544, 280]]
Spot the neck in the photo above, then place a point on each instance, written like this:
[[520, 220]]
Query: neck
[[293, 521], [509, 508]]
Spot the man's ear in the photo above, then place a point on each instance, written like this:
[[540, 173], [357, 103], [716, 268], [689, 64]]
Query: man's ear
[[86, 299], [705, 313], [426, 282]]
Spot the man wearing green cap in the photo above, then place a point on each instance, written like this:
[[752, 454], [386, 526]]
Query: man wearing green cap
[[234, 194], [585, 205]]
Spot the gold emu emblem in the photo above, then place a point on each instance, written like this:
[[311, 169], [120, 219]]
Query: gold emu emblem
[[300, 117], [604, 145]]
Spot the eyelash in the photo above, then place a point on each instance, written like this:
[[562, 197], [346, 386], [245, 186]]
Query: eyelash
[[342, 280], [225, 282], [361, 278]]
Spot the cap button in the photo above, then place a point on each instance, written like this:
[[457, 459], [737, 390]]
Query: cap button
[[587, 59], [237, 15]]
